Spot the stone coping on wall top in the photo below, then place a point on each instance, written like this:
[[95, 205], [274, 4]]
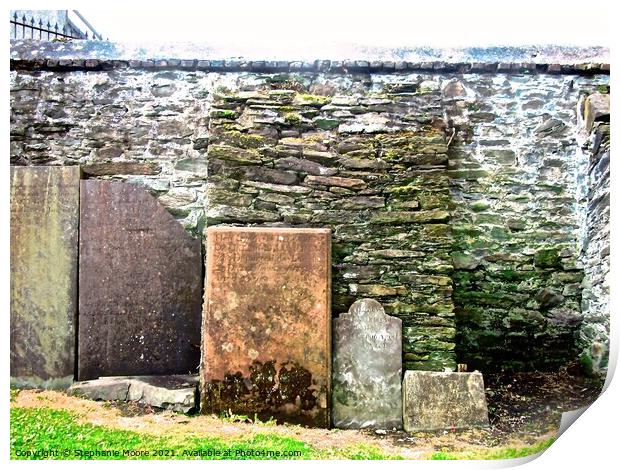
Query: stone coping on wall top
[[103, 55], [231, 228]]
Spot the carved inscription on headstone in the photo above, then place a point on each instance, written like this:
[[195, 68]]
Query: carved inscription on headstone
[[367, 368], [44, 250], [267, 323], [140, 285]]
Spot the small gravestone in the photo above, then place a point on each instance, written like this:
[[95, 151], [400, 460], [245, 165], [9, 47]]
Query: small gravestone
[[44, 258], [434, 401], [266, 333], [140, 278], [367, 368]]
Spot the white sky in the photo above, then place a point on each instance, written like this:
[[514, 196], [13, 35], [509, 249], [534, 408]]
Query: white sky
[[273, 24]]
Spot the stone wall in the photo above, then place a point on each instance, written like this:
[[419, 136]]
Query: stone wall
[[455, 192], [518, 182], [594, 333]]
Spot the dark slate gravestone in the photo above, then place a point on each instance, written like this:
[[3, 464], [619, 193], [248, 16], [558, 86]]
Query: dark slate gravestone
[[267, 324], [140, 286], [44, 250], [367, 368], [434, 401]]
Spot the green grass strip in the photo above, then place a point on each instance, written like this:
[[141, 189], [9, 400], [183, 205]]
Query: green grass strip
[[494, 454], [44, 433]]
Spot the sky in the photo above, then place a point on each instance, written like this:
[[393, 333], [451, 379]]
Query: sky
[[387, 23]]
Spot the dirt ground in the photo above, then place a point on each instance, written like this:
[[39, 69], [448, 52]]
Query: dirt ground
[[524, 408]]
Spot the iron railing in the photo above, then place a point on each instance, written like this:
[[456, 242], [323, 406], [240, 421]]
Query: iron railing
[[24, 28]]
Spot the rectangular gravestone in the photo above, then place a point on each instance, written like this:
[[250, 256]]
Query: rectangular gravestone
[[434, 401], [267, 323], [44, 257], [140, 279], [366, 388]]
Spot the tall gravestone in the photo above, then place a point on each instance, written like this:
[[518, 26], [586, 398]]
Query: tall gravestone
[[267, 324], [367, 368], [140, 278], [44, 251]]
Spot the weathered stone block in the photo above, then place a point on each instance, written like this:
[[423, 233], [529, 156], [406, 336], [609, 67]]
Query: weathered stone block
[[44, 257], [267, 325], [435, 401], [140, 285], [350, 183], [596, 108], [121, 168], [367, 368], [172, 392]]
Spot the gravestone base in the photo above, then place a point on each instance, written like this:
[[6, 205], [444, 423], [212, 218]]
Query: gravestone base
[[434, 401], [172, 392]]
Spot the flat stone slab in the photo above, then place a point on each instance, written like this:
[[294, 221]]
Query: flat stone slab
[[434, 401], [367, 368], [44, 261], [140, 279], [172, 392], [267, 323]]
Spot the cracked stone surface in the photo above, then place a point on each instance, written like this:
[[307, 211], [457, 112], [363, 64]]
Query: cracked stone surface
[[367, 366], [173, 392]]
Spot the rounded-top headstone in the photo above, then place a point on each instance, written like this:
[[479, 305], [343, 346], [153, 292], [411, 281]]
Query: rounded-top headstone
[[367, 366]]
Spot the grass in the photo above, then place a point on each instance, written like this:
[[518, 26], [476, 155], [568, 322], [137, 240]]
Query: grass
[[46, 433], [494, 454], [56, 434]]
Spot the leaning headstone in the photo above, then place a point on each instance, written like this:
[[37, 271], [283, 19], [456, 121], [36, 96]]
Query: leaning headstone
[[435, 401], [44, 257], [367, 366], [140, 280], [266, 330]]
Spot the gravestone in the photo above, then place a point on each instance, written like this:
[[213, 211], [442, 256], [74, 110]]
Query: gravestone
[[267, 324], [367, 367], [140, 285], [435, 401], [44, 251]]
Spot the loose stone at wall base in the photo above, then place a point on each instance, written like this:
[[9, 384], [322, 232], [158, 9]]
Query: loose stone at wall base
[[434, 401], [367, 366], [172, 392]]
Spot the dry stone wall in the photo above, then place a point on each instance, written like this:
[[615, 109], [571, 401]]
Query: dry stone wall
[[518, 181], [456, 193], [594, 333], [371, 165]]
